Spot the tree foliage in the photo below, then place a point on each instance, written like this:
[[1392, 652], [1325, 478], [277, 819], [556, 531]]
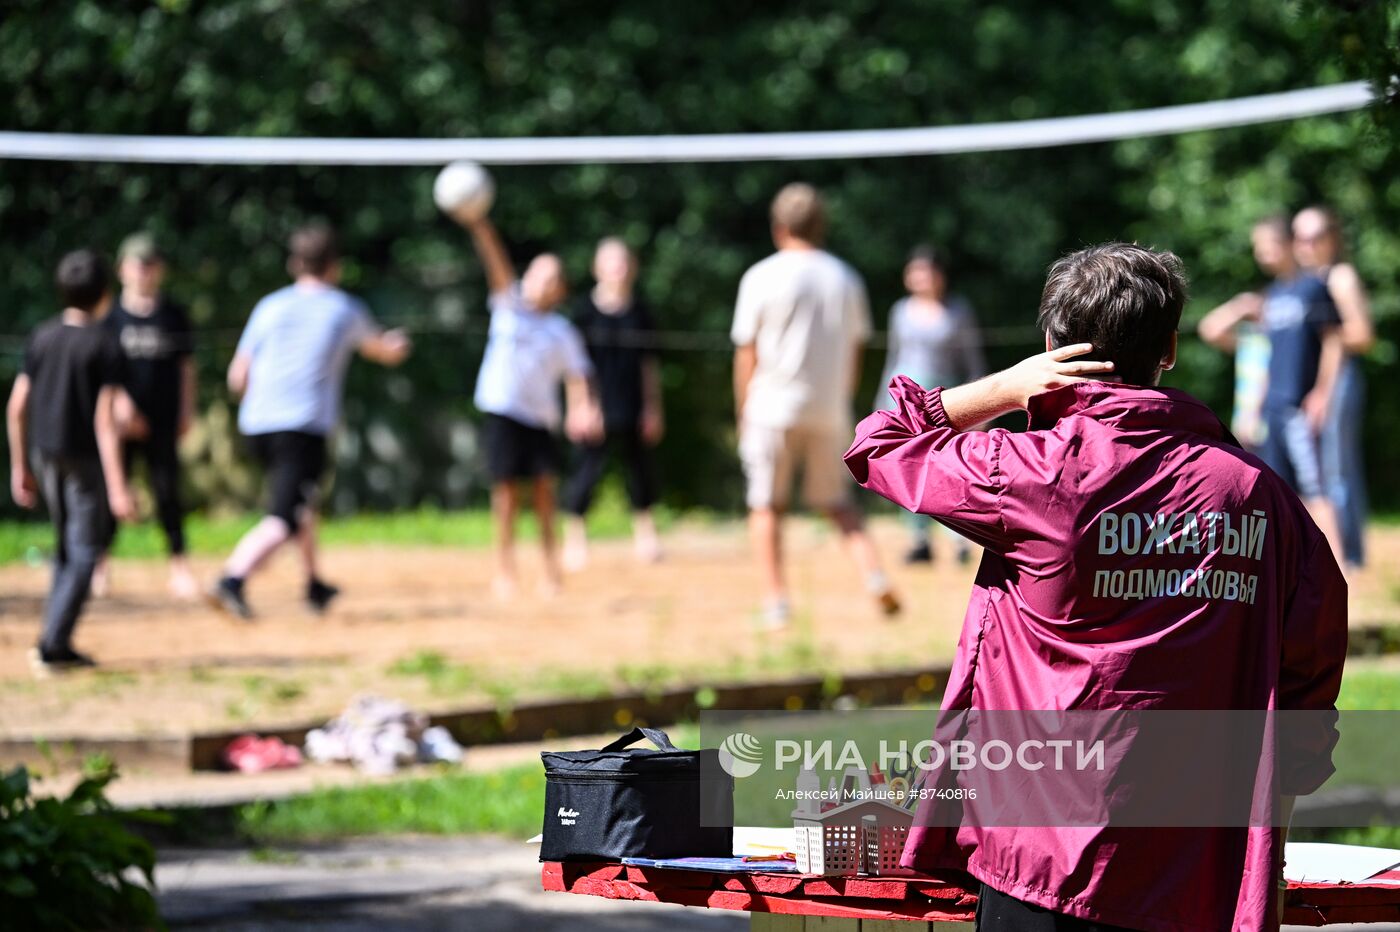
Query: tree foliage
[[439, 68]]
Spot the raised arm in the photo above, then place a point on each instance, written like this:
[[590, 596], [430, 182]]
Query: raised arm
[[500, 272], [1354, 307], [920, 457], [23, 488], [1218, 327]]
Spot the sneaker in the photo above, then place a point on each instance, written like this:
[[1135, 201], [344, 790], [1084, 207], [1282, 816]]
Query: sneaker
[[919, 553], [227, 594], [776, 615], [46, 663], [319, 595], [183, 586], [889, 603]]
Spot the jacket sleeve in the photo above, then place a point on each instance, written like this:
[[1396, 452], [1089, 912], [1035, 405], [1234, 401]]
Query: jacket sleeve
[[915, 458], [1310, 674]]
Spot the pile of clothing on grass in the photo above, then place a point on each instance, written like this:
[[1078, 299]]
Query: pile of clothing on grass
[[379, 736]]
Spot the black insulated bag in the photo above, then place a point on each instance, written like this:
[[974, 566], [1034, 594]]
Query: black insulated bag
[[624, 802]]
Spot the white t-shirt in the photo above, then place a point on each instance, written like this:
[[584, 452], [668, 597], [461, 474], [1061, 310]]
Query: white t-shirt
[[300, 339], [529, 354], [805, 311]]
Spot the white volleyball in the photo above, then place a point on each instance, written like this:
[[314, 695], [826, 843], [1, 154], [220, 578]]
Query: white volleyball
[[464, 190]]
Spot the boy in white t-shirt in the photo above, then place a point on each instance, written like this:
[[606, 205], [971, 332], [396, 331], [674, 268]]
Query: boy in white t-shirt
[[531, 350], [801, 322]]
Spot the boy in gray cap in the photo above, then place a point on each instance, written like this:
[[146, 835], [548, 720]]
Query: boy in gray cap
[[154, 334]]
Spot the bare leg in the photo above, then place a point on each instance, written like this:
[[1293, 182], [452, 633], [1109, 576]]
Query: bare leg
[[861, 547], [575, 544], [544, 517], [504, 502], [256, 546], [645, 542], [766, 536]]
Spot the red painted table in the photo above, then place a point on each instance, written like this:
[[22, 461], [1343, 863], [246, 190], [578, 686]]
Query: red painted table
[[778, 901]]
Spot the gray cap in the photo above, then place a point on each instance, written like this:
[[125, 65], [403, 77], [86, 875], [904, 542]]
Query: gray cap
[[141, 246]]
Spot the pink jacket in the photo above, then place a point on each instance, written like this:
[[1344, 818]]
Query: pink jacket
[[1135, 558]]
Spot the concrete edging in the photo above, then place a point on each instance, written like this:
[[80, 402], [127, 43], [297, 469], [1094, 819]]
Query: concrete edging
[[532, 721]]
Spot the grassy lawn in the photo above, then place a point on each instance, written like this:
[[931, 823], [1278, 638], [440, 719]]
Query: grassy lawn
[[506, 802], [423, 527], [1370, 684]]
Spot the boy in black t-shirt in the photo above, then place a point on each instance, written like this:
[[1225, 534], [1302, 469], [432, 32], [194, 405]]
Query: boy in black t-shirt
[[63, 405], [619, 333], [153, 332]]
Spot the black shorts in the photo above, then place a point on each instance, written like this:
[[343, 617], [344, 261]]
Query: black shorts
[[518, 451], [293, 462]]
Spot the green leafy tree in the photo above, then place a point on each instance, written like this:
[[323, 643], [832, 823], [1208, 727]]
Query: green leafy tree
[[438, 68]]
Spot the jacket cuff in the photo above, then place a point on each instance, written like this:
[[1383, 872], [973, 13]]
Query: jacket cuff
[[931, 405]]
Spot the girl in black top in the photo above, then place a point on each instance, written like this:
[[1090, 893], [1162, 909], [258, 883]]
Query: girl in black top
[[620, 335]]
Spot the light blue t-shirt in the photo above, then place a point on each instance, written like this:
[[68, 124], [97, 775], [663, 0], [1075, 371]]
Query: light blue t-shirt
[[300, 339], [529, 354]]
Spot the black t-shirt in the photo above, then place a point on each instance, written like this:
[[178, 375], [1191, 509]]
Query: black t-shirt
[[67, 366], [154, 346], [617, 344]]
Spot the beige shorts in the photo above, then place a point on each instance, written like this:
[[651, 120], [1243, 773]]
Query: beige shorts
[[771, 455]]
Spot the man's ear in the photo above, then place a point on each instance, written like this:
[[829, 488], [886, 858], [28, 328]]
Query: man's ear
[[1048, 345], [1169, 360]]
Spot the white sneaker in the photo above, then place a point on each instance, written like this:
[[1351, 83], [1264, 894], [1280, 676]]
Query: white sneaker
[[777, 615]]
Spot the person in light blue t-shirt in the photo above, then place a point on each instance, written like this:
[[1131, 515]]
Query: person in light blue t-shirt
[[531, 351], [289, 369]]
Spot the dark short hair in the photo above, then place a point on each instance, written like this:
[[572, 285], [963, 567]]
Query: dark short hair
[[1124, 299], [1281, 225], [83, 278], [313, 249], [799, 209], [926, 252]]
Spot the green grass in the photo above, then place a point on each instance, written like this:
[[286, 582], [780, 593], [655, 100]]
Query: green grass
[[32, 541], [506, 802], [1364, 687]]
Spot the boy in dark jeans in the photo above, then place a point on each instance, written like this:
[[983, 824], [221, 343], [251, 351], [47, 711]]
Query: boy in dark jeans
[[67, 392]]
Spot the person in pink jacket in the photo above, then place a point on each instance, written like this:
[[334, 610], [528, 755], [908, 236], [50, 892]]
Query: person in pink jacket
[[1135, 559]]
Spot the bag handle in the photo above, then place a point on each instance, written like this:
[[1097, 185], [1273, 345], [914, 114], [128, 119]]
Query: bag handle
[[655, 735]]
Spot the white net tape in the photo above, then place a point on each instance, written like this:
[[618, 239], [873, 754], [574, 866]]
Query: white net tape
[[721, 147]]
